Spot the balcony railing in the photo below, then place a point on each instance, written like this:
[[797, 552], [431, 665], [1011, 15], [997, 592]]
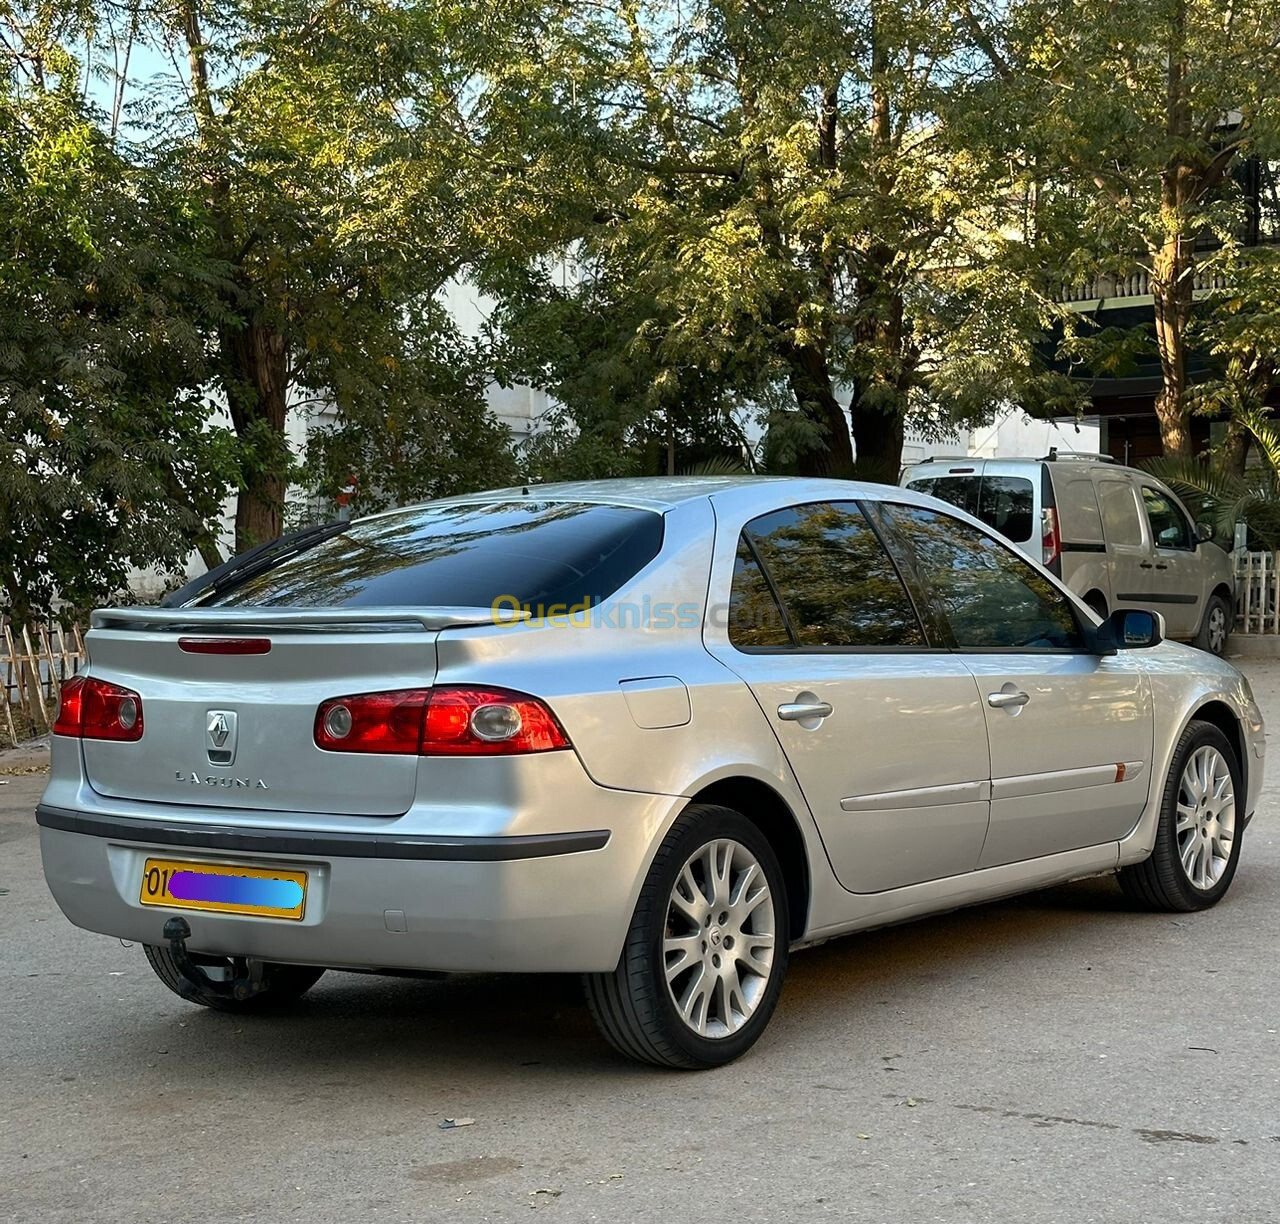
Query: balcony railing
[[1136, 285]]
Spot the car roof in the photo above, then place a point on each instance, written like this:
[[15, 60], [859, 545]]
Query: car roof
[[666, 492]]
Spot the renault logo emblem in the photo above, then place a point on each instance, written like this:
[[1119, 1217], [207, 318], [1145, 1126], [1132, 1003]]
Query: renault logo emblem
[[221, 737]]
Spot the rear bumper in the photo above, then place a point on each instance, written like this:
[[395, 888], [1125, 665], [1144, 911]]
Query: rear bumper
[[313, 842], [421, 895]]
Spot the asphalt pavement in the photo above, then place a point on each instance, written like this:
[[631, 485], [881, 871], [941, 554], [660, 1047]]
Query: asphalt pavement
[[1060, 1057]]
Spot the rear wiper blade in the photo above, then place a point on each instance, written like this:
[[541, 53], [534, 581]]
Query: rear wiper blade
[[246, 564]]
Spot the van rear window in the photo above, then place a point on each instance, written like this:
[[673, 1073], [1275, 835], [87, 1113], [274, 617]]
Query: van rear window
[[1005, 503], [542, 553]]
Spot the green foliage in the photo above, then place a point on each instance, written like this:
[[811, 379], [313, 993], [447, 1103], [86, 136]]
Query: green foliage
[[802, 203], [412, 427], [244, 206], [1135, 121], [105, 461]]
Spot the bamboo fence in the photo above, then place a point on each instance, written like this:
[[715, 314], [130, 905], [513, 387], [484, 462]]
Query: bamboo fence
[[35, 660]]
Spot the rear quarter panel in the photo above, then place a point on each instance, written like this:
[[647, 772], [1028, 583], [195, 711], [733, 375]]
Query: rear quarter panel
[[580, 671]]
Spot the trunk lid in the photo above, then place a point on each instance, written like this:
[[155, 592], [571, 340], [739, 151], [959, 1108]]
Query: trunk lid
[[237, 730]]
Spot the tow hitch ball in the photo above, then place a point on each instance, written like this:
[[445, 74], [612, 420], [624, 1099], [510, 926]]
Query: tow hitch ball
[[245, 984]]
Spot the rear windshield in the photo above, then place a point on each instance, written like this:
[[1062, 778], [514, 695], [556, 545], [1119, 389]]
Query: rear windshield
[[1005, 503], [540, 553]]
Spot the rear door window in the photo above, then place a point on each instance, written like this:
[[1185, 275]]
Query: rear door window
[[1120, 513], [838, 586], [1078, 515], [539, 553], [754, 616]]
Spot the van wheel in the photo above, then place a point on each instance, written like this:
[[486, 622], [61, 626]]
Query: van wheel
[[1201, 820], [1098, 603], [282, 984], [706, 952], [1216, 626]]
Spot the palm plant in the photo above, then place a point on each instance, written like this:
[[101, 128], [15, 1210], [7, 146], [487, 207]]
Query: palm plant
[[1223, 496]]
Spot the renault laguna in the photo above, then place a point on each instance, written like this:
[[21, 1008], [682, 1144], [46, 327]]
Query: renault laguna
[[659, 733]]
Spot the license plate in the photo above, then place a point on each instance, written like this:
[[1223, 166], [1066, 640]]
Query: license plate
[[222, 889]]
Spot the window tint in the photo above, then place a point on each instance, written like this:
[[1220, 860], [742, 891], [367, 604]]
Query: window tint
[[1006, 503], [1119, 512], [960, 491], [985, 591], [1003, 502], [539, 552], [754, 616], [837, 583], [1169, 526]]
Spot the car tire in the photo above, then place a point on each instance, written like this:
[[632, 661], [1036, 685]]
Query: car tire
[[1215, 627], [1185, 871], [721, 935], [282, 984]]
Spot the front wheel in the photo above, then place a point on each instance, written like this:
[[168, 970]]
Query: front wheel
[[1201, 819], [706, 952]]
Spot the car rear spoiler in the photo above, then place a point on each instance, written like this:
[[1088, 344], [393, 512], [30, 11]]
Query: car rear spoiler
[[242, 618]]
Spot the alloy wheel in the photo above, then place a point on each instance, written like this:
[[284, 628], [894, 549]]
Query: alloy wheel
[[1206, 817], [718, 944], [1217, 629]]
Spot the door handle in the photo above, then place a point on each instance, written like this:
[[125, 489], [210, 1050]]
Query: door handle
[[1003, 701], [795, 711], [1145, 565], [1161, 565]]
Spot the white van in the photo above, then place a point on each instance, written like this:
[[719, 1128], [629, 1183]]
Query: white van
[[1116, 536]]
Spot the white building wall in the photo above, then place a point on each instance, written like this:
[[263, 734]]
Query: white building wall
[[1012, 434]]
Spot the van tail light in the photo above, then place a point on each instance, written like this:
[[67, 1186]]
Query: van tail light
[[89, 708], [450, 720], [1050, 540]]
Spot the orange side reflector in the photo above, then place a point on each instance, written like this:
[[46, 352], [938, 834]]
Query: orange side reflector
[[1119, 771]]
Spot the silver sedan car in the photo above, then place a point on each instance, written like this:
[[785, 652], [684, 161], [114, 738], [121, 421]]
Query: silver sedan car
[[657, 732]]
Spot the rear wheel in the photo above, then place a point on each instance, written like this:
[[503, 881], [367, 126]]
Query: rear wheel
[[706, 952], [1216, 626], [281, 984], [1201, 819]]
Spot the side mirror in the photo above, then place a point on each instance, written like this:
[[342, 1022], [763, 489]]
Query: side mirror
[[1204, 532], [1130, 629]]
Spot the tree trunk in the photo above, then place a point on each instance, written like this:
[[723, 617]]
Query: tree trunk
[[256, 381], [879, 425], [254, 357], [1235, 447], [878, 438], [1171, 289], [810, 382], [1171, 260]]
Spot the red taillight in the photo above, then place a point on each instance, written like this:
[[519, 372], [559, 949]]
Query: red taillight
[[446, 721], [89, 708], [1050, 540], [225, 646], [488, 722], [372, 722], [70, 706]]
